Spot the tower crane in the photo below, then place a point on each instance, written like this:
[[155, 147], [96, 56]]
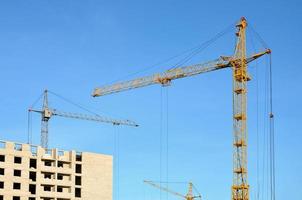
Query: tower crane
[[188, 196], [47, 113], [238, 62]]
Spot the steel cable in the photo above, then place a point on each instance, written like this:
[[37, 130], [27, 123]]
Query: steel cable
[[192, 52]]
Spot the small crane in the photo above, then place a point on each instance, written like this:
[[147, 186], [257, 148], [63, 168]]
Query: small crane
[[188, 196], [47, 113]]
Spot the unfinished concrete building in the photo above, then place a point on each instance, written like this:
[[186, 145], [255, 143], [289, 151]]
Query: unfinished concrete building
[[29, 172]]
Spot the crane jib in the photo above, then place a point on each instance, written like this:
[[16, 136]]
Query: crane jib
[[166, 77]]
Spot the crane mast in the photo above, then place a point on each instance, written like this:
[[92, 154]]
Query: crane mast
[[240, 188], [47, 113], [239, 63]]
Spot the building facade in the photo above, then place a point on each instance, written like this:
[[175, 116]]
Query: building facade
[[29, 172]]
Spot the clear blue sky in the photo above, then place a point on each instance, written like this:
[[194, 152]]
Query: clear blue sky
[[72, 46]]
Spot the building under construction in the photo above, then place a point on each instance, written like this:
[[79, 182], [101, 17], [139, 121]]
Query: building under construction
[[29, 172]]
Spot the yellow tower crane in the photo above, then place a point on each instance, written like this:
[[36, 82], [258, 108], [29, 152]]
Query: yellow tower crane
[[188, 196], [47, 113], [238, 63]]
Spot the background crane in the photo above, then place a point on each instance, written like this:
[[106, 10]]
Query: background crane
[[238, 63], [188, 196], [47, 113]]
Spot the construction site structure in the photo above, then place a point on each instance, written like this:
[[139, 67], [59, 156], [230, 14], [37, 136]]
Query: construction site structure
[[238, 63], [188, 196], [29, 172], [47, 113]]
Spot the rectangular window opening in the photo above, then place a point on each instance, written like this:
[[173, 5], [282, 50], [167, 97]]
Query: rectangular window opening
[[18, 160], [78, 192], [47, 188], [2, 158], [1, 171], [79, 156], [60, 164], [33, 163], [17, 172], [48, 163], [33, 176], [78, 168], [17, 186], [78, 180], [32, 189], [47, 175], [63, 176], [60, 177], [60, 189]]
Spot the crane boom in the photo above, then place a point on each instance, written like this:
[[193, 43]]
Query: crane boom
[[188, 196], [164, 189], [96, 118], [166, 77]]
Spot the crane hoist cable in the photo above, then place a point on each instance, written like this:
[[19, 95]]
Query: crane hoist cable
[[167, 138], [160, 141], [272, 130], [29, 128], [268, 136], [257, 132], [29, 120], [265, 161], [116, 159], [164, 127], [265, 143], [256, 78]]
